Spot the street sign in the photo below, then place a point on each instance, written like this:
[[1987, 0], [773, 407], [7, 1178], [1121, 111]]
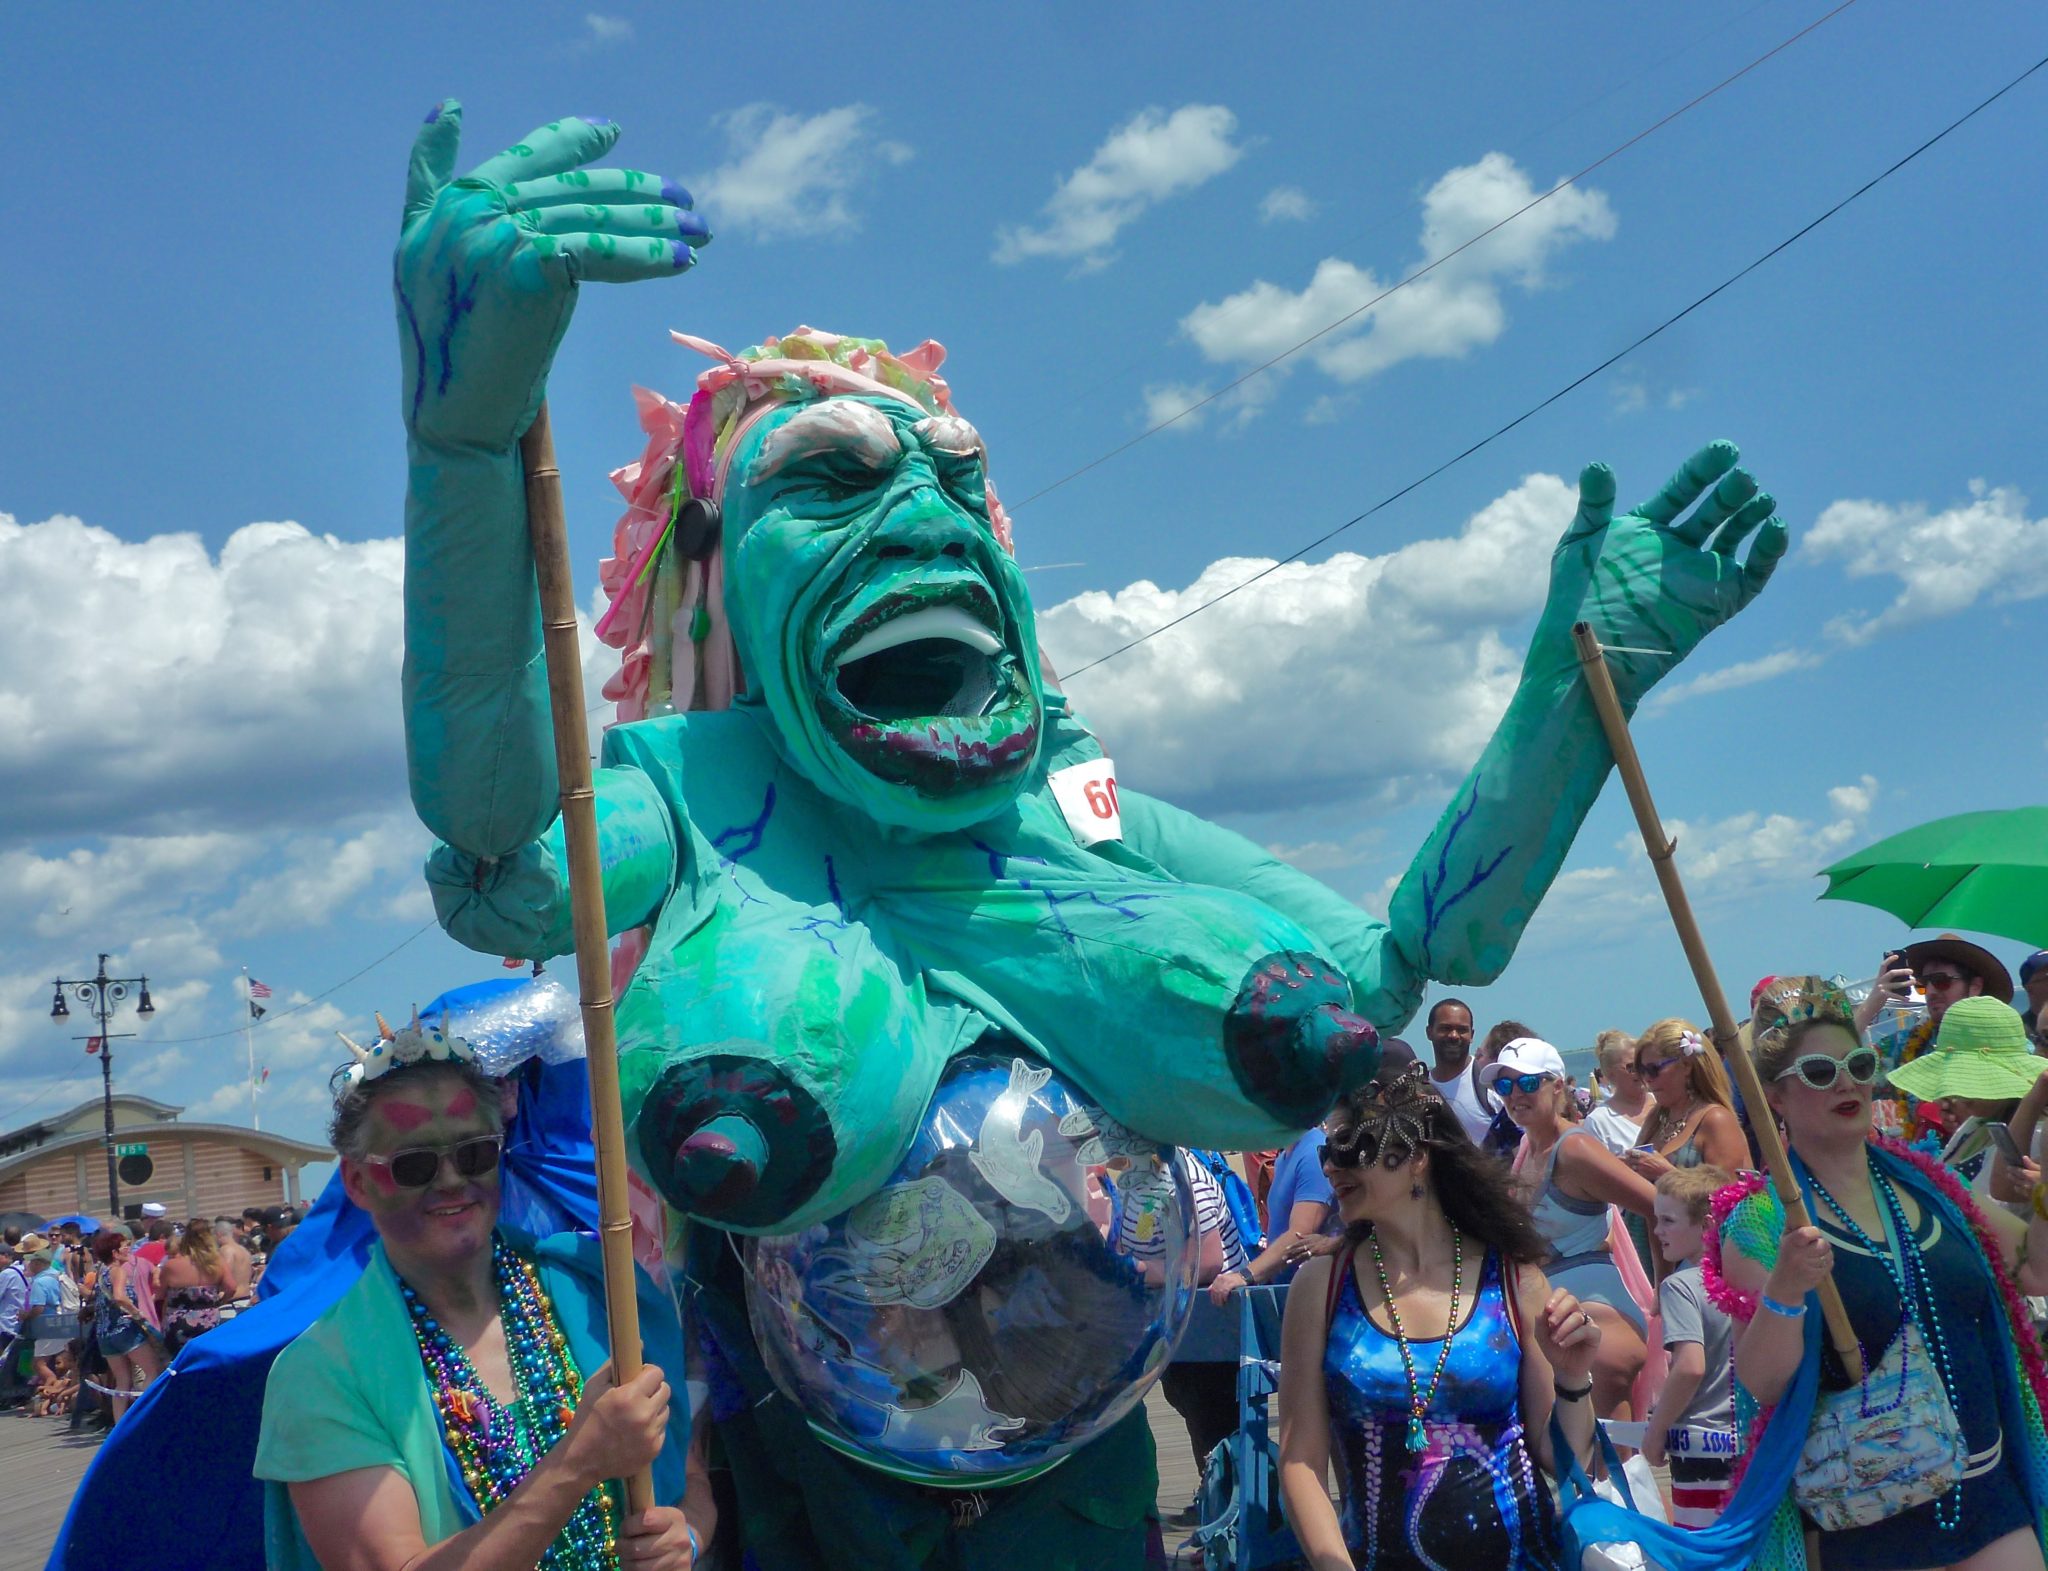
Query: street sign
[[132, 1150]]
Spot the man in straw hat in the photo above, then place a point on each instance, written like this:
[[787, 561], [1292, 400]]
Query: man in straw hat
[[1949, 969]]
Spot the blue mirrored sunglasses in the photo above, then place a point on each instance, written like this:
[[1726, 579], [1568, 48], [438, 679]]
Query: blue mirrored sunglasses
[[1523, 1083]]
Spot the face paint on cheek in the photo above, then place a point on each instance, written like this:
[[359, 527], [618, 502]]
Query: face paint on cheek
[[405, 1117], [381, 1179]]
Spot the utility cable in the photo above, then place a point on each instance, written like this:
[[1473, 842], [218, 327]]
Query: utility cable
[[1519, 146], [1577, 382], [270, 1017]]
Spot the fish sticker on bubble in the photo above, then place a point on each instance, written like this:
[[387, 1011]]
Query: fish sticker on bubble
[[918, 1243]]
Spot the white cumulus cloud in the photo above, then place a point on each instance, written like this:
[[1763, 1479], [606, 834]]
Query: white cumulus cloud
[[1984, 549], [1443, 314], [1150, 157], [1725, 862], [1744, 673], [1330, 680], [151, 688], [1286, 202], [151, 685], [792, 174]]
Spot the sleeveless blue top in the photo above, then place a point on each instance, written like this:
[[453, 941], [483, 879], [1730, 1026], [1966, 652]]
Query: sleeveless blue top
[[1472, 1496]]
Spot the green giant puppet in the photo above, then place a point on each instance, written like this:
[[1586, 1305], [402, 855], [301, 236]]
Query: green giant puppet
[[900, 845]]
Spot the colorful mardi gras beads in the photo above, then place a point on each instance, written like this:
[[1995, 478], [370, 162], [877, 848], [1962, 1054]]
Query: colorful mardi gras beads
[[497, 1446]]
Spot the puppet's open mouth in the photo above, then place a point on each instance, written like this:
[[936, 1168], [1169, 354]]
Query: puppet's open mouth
[[940, 661], [925, 692]]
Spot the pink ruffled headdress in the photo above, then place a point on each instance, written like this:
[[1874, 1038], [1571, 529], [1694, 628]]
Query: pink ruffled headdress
[[668, 613]]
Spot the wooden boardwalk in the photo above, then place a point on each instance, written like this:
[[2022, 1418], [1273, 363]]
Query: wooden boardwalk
[[41, 1462]]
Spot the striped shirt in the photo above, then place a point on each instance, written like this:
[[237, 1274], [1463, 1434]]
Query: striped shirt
[[1143, 1196]]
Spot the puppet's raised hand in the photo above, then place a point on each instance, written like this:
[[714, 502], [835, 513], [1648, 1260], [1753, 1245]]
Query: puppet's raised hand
[[1654, 578], [487, 267]]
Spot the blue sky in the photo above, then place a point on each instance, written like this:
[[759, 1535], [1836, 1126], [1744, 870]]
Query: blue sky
[[201, 465]]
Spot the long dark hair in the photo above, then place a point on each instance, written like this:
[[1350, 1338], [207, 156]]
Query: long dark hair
[[1387, 1122]]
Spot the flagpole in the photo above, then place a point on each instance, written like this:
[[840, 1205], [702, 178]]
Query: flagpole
[[249, 1041]]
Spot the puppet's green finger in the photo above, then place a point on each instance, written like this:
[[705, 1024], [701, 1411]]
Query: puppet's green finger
[[1730, 494], [1729, 537], [552, 149], [1764, 557], [654, 220], [1700, 471], [1596, 500], [595, 185], [610, 259], [433, 156]]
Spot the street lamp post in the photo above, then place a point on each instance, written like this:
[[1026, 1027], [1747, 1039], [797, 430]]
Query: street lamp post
[[102, 995]]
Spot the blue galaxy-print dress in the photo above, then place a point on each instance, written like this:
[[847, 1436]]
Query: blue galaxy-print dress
[[1472, 1497]]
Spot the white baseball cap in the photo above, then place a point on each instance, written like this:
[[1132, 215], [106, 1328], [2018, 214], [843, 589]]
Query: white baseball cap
[[1525, 1055]]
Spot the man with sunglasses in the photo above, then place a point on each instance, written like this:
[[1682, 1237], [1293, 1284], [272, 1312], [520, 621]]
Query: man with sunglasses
[[1948, 969], [455, 1406]]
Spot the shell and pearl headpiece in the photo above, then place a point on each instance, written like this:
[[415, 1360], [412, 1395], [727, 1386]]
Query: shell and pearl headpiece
[[415, 1042]]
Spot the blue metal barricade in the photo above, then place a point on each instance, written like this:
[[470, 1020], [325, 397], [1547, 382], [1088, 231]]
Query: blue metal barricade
[[1242, 1527]]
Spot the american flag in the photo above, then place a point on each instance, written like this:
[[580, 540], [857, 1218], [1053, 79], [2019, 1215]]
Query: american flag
[[258, 989]]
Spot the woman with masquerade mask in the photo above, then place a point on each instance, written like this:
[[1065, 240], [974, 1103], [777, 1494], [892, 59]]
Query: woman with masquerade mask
[[1428, 1354], [1935, 1456]]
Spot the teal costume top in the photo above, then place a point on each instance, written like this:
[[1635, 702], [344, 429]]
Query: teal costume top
[[350, 1392]]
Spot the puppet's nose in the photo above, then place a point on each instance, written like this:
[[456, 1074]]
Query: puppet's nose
[[1292, 1040], [732, 1140]]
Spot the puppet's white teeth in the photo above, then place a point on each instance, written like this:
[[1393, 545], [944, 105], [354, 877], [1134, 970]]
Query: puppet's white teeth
[[944, 621]]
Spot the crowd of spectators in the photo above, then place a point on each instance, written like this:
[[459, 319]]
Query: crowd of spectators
[[92, 1312]]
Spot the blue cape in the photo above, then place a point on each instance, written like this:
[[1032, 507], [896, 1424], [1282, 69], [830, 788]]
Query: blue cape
[[191, 1437]]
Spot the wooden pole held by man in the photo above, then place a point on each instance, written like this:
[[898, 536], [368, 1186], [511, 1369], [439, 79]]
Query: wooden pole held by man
[[549, 531]]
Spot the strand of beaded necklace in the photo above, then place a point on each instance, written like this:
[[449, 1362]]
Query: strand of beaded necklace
[[1900, 1257], [1419, 1400], [496, 1446]]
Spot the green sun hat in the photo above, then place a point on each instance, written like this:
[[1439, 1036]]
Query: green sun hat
[[1981, 1052]]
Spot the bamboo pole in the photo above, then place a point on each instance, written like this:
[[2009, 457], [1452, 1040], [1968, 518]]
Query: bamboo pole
[[1662, 849], [549, 531]]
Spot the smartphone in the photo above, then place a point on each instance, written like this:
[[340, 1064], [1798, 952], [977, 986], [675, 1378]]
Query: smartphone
[[2002, 1138]]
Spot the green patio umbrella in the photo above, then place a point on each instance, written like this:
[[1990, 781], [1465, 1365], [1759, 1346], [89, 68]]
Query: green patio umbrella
[[1981, 872]]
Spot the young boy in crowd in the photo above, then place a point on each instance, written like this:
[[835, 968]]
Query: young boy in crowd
[[1692, 1427]]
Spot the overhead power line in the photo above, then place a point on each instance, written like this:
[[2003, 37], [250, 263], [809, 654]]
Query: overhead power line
[[1577, 382], [1429, 267], [282, 1014]]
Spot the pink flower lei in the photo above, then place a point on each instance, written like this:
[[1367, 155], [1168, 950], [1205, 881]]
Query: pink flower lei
[[1743, 1306], [1943, 1178], [1725, 1295]]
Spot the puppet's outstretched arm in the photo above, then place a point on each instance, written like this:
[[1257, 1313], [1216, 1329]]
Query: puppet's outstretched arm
[[1652, 583], [1647, 580], [485, 276]]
